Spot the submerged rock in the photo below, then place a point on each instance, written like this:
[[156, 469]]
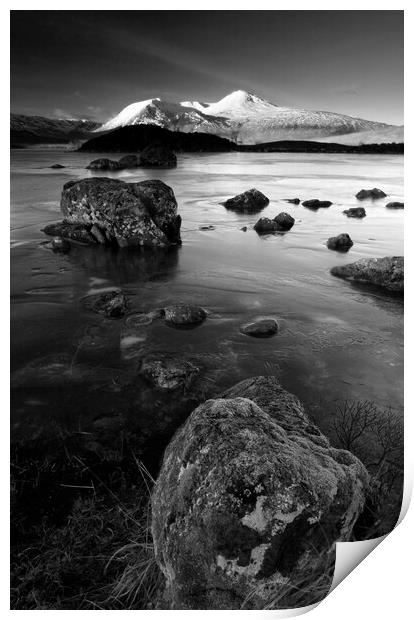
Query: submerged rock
[[58, 245], [112, 304], [127, 214], [247, 501], [293, 201], [184, 315], [158, 156], [129, 161], [103, 164], [282, 222], [387, 272], [355, 212], [167, 372], [134, 333], [57, 166], [207, 227], [248, 202], [374, 193], [342, 242], [315, 204], [395, 205], [264, 328]]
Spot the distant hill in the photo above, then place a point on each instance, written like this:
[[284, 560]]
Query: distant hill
[[134, 138], [41, 130]]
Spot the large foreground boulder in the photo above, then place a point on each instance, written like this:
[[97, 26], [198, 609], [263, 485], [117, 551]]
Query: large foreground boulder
[[250, 501], [112, 211], [387, 272], [250, 201]]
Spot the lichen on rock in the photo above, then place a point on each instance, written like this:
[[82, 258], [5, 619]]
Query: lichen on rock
[[250, 496]]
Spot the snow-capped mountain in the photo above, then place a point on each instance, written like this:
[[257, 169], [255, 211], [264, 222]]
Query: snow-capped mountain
[[172, 116], [246, 119]]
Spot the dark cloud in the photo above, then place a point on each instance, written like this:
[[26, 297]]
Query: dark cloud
[[93, 63]]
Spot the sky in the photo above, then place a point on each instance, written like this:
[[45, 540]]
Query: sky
[[91, 64]]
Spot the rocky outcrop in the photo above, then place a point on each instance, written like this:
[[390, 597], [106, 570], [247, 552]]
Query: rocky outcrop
[[168, 372], [264, 328], [184, 315], [158, 156], [341, 243], [387, 272], [103, 164], [102, 210], [129, 161], [250, 201], [395, 205], [282, 222], [250, 501], [112, 304], [316, 204], [373, 194], [355, 212]]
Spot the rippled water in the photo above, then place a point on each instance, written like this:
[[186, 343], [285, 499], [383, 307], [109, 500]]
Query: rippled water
[[336, 340]]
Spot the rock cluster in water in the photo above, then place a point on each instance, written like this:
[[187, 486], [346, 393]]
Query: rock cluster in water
[[373, 194], [153, 156], [110, 211], [250, 497], [387, 272], [282, 222]]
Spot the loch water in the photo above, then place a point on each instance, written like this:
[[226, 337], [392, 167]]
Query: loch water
[[337, 341]]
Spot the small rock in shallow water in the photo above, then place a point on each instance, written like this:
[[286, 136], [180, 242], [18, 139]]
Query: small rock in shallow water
[[355, 212], [264, 328], [112, 304], [167, 372], [57, 166], [316, 204], [58, 245], [244, 229], [184, 315], [374, 193], [342, 242], [207, 227], [293, 201], [395, 205], [387, 272], [248, 202]]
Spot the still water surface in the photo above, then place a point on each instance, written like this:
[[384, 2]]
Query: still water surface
[[336, 341]]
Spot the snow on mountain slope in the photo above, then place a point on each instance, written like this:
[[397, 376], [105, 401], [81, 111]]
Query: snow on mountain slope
[[384, 135], [244, 118], [172, 116]]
